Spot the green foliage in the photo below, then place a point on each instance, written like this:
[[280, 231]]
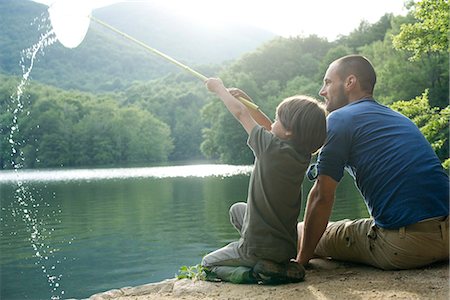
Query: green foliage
[[424, 40], [399, 78], [430, 33], [334, 53], [196, 272], [367, 33], [223, 137], [282, 59], [432, 122], [177, 101], [74, 129]]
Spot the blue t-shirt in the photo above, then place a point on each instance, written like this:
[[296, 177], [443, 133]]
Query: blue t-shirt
[[395, 168]]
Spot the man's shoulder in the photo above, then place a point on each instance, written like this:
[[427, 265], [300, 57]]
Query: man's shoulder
[[359, 112], [339, 119], [358, 106]]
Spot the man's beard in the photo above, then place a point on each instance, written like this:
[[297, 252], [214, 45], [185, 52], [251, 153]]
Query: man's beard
[[339, 101]]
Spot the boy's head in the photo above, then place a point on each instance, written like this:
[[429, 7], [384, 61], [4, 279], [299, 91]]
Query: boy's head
[[302, 120]]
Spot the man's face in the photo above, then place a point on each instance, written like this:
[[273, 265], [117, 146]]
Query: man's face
[[333, 89]]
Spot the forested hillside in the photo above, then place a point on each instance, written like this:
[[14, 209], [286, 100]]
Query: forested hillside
[[171, 117], [104, 61]]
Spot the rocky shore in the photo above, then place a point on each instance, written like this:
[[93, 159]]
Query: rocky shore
[[324, 280]]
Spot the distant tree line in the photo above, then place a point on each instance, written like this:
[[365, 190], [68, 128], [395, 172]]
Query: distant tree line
[[69, 128], [173, 118]]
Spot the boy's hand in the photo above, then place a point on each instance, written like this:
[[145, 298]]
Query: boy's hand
[[214, 85], [237, 93]]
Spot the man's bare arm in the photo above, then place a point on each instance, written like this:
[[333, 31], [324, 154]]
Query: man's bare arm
[[317, 213]]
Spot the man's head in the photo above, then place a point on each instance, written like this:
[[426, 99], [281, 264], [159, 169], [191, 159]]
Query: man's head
[[348, 79]]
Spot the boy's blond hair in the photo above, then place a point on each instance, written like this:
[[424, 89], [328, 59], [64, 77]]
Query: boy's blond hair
[[305, 118]]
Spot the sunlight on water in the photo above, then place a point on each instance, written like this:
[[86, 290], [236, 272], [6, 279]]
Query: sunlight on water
[[25, 206], [101, 174]]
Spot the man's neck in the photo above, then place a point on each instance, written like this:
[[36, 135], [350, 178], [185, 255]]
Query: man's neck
[[359, 96]]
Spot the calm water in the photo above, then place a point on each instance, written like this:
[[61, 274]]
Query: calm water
[[80, 232]]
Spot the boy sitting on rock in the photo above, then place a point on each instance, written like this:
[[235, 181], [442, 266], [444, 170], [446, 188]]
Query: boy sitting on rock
[[267, 223]]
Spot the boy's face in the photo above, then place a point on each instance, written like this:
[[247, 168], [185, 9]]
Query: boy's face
[[279, 131]]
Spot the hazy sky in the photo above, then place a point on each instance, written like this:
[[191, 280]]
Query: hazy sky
[[326, 18]]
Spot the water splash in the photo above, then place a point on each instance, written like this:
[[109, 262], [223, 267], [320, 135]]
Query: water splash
[[28, 58], [26, 207]]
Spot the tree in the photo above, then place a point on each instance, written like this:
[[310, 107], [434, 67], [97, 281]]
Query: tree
[[367, 33], [177, 101], [432, 122], [150, 139], [397, 77], [67, 128], [426, 40], [429, 34], [282, 59]]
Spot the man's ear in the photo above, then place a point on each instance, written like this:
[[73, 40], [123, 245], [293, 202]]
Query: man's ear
[[350, 82]]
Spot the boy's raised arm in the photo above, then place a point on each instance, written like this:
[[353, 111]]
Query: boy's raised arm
[[256, 114], [236, 108]]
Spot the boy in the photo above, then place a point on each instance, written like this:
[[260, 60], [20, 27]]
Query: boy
[[267, 223]]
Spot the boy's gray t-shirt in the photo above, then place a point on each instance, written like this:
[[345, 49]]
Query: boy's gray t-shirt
[[274, 198]]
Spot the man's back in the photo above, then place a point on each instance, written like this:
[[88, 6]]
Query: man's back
[[398, 173], [394, 166]]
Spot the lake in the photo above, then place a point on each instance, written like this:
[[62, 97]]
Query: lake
[[74, 233]]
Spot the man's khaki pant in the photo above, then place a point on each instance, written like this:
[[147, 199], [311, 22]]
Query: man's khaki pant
[[408, 247]]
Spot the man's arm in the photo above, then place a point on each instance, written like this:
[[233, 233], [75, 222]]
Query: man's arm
[[317, 214], [236, 108]]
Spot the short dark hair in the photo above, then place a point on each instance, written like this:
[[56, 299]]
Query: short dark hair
[[305, 117], [361, 68]]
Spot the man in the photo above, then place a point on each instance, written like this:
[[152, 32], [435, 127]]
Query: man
[[400, 177]]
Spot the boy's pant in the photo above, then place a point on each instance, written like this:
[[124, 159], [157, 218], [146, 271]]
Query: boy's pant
[[408, 247], [230, 255]]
